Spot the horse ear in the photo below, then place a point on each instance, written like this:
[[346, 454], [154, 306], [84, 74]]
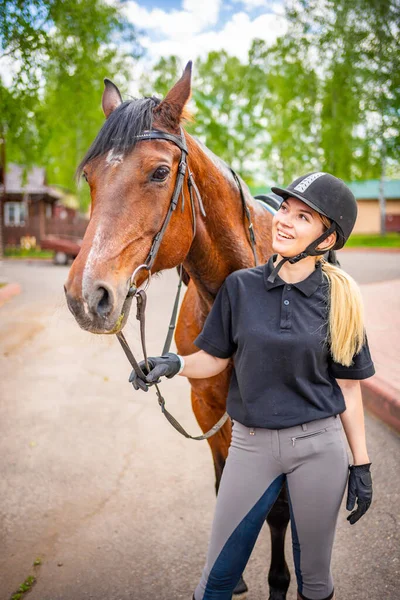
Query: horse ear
[[171, 110], [111, 98]]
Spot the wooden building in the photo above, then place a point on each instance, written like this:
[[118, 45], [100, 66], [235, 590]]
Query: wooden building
[[30, 207], [369, 213]]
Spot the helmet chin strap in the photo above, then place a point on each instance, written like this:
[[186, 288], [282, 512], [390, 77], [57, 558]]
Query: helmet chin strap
[[311, 250]]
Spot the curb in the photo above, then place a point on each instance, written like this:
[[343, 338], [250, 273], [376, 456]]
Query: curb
[[8, 291], [28, 259], [382, 400], [383, 249]]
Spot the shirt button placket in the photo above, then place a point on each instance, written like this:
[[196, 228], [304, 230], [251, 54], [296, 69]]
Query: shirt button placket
[[286, 310]]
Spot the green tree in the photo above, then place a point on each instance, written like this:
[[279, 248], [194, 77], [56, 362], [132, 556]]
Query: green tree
[[288, 107], [357, 44], [64, 49], [161, 79]]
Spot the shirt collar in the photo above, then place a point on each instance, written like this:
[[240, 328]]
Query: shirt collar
[[308, 286]]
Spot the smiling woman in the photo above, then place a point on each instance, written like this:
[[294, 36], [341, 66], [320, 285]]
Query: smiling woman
[[299, 350], [296, 226]]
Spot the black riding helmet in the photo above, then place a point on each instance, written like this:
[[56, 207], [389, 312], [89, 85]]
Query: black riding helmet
[[329, 196]]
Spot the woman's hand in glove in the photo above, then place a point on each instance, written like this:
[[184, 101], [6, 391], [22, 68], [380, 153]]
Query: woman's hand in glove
[[167, 365], [360, 489]]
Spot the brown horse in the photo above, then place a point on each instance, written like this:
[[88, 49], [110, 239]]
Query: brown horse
[[131, 184]]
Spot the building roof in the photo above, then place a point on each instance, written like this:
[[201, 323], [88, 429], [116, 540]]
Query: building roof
[[369, 190], [33, 183], [362, 190]]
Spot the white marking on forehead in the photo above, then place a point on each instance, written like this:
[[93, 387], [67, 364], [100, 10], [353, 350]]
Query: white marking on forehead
[[113, 158]]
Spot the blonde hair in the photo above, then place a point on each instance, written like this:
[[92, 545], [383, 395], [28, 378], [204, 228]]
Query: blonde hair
[[346, 331]]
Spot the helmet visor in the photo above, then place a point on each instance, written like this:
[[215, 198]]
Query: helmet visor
[[286, 193]]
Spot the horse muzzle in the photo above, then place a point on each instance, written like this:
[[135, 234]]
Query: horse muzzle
[[101, 307]]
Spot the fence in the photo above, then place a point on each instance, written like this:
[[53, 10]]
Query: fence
[[12, 234]]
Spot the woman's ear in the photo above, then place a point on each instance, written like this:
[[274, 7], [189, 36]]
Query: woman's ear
[[328, 243]]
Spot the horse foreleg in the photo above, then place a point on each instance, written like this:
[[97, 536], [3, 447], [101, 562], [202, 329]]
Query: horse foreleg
[[278, 519], [208, 409]]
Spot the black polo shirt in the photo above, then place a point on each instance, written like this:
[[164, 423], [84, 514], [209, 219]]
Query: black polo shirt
[[284, 373]]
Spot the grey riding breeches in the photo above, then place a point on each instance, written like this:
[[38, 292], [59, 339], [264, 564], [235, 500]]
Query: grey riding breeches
[[312, 459]]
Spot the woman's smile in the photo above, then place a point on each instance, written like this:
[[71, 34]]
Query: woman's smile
[[282, 235]]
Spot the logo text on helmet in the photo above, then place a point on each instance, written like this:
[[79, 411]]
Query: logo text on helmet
[[303, 185]]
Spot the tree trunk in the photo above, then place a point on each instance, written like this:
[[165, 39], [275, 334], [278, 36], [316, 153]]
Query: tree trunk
[[382, 199], [2, 182]]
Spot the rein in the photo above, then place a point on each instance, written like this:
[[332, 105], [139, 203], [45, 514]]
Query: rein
[[140, 295]]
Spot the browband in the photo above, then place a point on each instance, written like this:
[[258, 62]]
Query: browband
[[156, 134]]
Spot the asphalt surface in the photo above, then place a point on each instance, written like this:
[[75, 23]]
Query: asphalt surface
[[97, 485]]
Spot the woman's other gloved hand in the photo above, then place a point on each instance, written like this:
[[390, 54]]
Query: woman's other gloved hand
[[360, 489], [160, 366]]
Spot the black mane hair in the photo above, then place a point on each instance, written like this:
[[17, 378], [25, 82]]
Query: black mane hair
[[118, 132]]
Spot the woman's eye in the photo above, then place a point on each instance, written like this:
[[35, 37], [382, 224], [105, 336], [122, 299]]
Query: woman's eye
[[304, 217], [160, 174]]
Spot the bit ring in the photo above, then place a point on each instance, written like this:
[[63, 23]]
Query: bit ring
[[147, 281]]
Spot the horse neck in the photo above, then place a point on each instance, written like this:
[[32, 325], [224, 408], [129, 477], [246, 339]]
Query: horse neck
[[221, 244]]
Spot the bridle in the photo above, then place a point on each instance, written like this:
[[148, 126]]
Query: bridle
[[140, 294]]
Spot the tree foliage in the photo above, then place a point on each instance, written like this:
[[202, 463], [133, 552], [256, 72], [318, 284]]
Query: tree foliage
[[63, 49], [324, 96], [357, 42]]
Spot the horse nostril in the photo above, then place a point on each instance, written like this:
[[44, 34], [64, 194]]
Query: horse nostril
[[101, 299], [104, 304]]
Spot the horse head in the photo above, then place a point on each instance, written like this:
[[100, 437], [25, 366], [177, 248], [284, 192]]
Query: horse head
[[131, 184]]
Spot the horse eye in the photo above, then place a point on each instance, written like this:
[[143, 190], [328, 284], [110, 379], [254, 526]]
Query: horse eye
[[160, 174], [84, 176]]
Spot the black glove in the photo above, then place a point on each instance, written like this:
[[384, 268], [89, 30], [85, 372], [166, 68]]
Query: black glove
[[167, 365], [360, 488]]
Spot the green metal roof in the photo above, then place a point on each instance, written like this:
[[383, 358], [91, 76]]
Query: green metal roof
[[362, 190], [369, 190]]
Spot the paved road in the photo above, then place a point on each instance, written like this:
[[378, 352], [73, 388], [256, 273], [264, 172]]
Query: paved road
[[370, 267], [96, 483]]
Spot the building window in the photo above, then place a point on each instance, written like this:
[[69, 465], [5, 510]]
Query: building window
[[14, 213], [48, 211]]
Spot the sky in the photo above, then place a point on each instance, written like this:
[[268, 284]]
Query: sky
[[192, 28]]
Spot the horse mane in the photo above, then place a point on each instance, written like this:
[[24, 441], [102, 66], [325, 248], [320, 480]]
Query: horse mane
[[118, 133]]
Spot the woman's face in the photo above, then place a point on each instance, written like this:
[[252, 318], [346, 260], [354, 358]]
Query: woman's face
[[294, 227]]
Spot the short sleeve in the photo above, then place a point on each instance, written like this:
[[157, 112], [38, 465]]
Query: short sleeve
[[362, 366], [216, 337]]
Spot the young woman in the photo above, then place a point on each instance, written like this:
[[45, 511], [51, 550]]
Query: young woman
[[299, 349]]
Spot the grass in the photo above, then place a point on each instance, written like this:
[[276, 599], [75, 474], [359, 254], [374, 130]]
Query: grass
[[14, 252], [23, 588], [363, 240], [29, 582]]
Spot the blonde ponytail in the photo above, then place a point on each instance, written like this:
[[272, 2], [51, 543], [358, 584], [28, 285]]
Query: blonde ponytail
[[346, 331]]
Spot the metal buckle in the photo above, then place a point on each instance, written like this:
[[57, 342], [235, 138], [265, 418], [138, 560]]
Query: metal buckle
[[133, 288]]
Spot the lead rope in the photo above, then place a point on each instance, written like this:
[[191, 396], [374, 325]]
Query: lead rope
[[140, 315]]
